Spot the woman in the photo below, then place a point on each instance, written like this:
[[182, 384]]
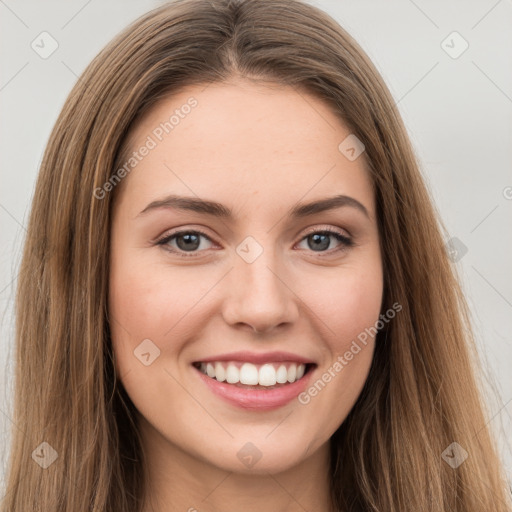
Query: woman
[[186, 338]]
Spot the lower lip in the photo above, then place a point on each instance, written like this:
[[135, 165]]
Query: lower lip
[[256, 399]]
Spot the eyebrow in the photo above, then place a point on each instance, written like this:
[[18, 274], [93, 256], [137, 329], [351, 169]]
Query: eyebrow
[[215, 209]]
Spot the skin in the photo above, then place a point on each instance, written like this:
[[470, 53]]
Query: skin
[[259, 150]]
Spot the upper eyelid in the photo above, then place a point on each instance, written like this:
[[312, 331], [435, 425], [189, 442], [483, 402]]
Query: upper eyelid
[[325, 227], [168, 236]]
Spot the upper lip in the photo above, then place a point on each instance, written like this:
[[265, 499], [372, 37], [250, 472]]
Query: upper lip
[[257, 357]]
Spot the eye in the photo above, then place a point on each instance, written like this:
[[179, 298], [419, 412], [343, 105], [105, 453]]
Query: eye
[[189, 241], [320, 241], [186, 241]]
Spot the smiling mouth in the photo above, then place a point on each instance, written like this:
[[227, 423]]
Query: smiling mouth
[[254, 376]]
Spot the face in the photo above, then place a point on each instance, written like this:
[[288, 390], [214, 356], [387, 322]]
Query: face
[[221, 274]]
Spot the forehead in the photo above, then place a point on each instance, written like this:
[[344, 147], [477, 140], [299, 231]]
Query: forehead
[[244, 139]]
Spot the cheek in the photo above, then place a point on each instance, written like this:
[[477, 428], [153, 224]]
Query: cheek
[[135, 309], [135, 303], [346, 302], [354, 308], [347, 306], [148, 301]]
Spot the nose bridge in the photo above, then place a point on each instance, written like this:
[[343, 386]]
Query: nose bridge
[[258, 266], [260, 296]]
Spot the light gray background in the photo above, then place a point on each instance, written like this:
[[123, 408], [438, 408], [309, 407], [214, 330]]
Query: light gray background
[[458, 112]]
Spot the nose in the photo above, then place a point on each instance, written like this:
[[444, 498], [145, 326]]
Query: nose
[[259, 295]]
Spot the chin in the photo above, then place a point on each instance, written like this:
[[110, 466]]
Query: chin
[[260, 454]]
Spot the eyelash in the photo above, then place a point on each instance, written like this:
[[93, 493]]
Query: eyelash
[[345, 241]]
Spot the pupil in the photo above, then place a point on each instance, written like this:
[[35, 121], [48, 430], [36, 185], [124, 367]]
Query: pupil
[[316, 237], [189, 238]]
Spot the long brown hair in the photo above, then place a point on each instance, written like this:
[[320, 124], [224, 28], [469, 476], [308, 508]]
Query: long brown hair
[[424, 390]]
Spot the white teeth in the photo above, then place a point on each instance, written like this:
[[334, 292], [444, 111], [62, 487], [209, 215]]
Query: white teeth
[[210, 370], [292, 373], [248, 374], [232, 374], [220, 373], [282, 374], [268, 374]]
